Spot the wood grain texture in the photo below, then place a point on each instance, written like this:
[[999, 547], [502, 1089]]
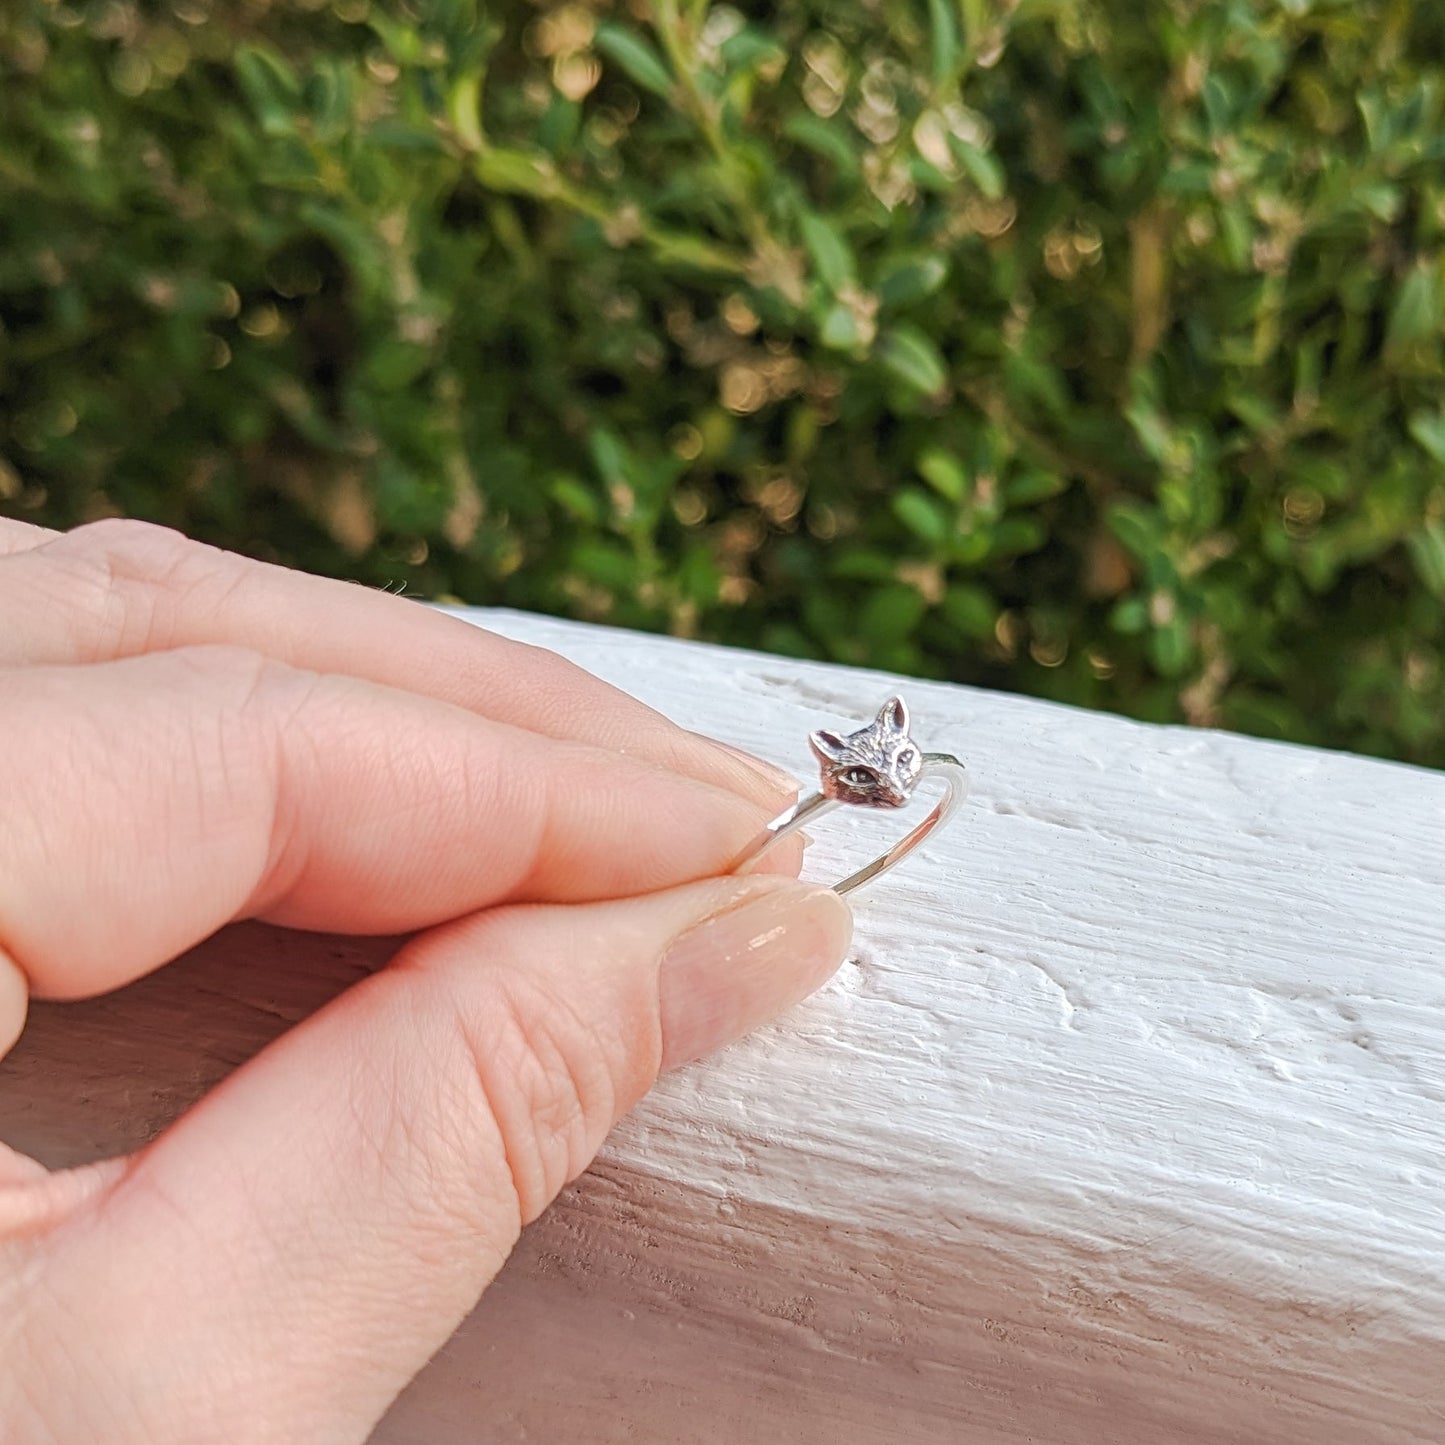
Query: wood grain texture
[[1124, 1122]]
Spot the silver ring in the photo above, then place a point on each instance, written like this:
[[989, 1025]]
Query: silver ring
[[878, 766]]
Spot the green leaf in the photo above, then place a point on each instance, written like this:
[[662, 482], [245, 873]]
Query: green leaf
[[387, 133], [840, 328], [1379, 131], [1014, 536], [1218, 103], [891, 613], [516, 172], [698, 577], [829, 619], [910, 281], [697, 252], [983, 168], [464, 109], [328, 99], [393, 364], [824, 139], [1151, 428], [751, 49], [610, 456], [1129, 616], [944, 473], [1170, 647], [1428, 428], [832, 259], [908, 354], [559, 125], [635, 55], [271, 87], [606, 563], [860, 564], [1415, 316], [572, 494], [970, 608], [944, 29], [1382, 200], [1033, 486], [972, 545], [1427, 552], [405, 42], [922, 515]]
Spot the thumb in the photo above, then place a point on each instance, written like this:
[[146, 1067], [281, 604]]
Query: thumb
[[283, 1260]]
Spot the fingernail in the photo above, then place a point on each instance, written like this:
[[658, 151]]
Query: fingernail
[[745, 965], [775, 776]]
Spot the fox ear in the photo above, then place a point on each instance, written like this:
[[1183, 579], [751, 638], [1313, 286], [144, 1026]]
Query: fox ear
[[894, 715], [827, 747]]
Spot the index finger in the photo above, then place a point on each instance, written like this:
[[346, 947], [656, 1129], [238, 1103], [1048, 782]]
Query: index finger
[[120, 588]]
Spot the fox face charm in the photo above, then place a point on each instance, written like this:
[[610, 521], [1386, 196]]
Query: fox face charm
[[877, 766]]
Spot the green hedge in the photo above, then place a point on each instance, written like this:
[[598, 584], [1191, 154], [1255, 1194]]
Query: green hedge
[[1083, 347]]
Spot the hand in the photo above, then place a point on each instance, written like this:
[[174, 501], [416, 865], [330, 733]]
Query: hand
[[189, 738]]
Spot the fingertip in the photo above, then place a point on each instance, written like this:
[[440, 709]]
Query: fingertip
[[783, 858], [761, 782]]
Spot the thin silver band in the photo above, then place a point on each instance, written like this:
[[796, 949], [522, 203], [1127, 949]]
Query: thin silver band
[[935, 765]]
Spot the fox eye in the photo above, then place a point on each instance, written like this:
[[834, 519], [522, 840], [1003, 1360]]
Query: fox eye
[[859, 777], [908, 757]]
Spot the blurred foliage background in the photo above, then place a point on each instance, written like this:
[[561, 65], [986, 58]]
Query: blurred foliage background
[[1088, 348]]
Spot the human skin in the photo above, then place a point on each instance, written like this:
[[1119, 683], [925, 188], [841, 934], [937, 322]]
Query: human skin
[[188, 738]]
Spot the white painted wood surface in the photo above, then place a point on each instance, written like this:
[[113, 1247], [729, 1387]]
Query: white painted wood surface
[[1125, 1121]]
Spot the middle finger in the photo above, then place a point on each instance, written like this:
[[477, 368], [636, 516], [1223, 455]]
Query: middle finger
[[150, 801]]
